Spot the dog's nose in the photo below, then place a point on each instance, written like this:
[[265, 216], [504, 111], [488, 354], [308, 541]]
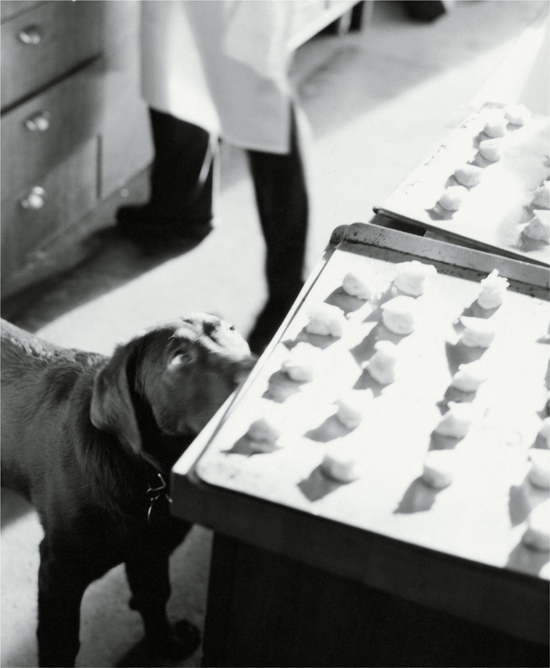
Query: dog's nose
[[229, 339]]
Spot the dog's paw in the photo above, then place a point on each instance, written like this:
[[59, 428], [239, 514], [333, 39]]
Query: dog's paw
[[185, 640]]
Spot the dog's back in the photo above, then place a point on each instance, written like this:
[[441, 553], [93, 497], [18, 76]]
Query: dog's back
[[31, 368]]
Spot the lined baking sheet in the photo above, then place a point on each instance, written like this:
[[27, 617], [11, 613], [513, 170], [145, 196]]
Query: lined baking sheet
[[482, 515], [495, 210]]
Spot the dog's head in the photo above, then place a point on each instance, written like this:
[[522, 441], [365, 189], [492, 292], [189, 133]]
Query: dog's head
[[172, 378]]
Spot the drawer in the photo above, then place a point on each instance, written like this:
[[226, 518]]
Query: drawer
[[43, 132], [41, 45], [45, 207]]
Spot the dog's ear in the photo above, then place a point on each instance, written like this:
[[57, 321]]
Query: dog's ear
[[112, 408]]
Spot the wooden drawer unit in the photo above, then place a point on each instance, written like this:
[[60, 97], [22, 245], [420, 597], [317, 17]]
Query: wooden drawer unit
[[41, 133], [74, 129], [44, 208], [44, 43]]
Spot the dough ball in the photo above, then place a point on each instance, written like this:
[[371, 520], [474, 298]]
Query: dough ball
[[491, 149], [411, 276], [301, 363], [538, 526], [326, 320], [493, 289], [439, 468], [399, 314], [361, 284], [495, 123], [452, 197], [457, 420], [541, 197], [381, 366], [539, 475], [468, 175], [340, 466], [351, 407], [538, 227], [517, 114], [470, 377], [543, 437], [263, 435], [478, 332]]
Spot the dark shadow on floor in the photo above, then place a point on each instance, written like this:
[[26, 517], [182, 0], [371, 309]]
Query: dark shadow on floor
[[138, 657], [114, 262]]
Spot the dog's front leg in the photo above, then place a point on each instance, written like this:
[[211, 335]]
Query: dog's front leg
[[147, 570], [61, 586]]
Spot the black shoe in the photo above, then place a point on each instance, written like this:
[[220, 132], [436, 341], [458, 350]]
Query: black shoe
[[425, 10], [184, 641], [139, 222]]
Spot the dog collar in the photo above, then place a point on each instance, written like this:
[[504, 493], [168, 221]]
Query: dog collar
[[156, 493]]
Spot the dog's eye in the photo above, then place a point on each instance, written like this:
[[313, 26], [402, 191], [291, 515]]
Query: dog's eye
[[211, 330]]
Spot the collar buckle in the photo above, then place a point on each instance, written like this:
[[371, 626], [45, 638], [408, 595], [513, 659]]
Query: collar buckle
[[155, 493]]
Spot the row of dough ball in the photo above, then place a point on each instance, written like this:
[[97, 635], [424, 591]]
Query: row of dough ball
[[439, 465], [339, 464], [439, 472], [438, 469], [468, 175], [538, 228], [399, 313], [538, 522], [537, 537]]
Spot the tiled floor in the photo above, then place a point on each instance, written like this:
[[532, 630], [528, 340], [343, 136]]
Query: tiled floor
[[376, 102]]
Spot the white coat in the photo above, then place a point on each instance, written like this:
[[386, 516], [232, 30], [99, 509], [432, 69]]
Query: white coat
[[222, 65]]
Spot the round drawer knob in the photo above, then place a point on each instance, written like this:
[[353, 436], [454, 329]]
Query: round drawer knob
[[30, 35], [39, 122], [35, 199]]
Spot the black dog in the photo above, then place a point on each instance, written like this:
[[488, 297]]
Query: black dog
[[90, 441]]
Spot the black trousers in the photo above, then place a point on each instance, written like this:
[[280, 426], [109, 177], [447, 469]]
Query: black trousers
[[182, 192]]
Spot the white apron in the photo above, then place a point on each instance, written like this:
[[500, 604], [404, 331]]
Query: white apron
[[222, 65]]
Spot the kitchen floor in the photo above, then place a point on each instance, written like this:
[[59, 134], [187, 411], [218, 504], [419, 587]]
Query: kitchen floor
[[376, 102]]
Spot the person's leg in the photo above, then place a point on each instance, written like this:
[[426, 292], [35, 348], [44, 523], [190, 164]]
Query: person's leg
[[282, 200], [182, 177]]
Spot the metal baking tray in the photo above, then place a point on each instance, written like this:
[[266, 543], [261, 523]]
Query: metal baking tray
[[482, 515], [491, 217]]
